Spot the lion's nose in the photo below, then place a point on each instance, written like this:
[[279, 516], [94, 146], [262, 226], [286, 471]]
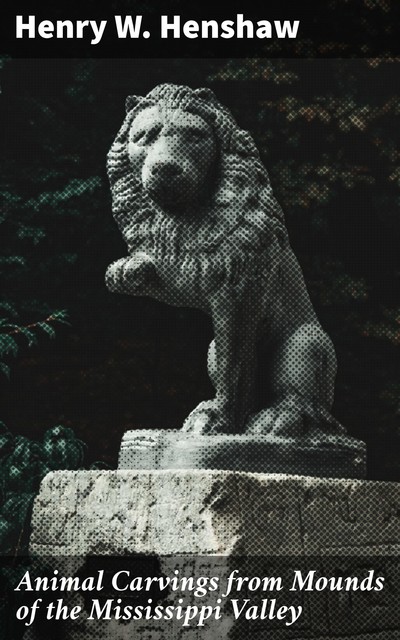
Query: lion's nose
[[166, 170]]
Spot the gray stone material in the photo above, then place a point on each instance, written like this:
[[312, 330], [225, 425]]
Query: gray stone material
[[210, 522], [212, 512], [338, 457], [203, 229]]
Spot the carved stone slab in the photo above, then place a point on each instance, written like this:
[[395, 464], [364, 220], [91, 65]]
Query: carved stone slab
[[216, 512], [207, 523], [335, 457]]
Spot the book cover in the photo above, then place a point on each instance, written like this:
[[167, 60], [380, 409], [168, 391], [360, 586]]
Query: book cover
[[82, 362]]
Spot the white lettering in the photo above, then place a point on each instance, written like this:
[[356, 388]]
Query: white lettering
[[166, 26], [25, 582], [242, 25], [68, 26], [227, 30], [206, 26], [97, 30], [128, 26], [80, 27], [21, 26], [264, 29], [190, 29], [45, 29], [238, 610], [287, 29]]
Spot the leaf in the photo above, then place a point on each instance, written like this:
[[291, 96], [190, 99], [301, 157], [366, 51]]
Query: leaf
[[16, 507], [74, 188], [29, 335], [36, 234], [7, 529], [60, 316], [47, 329], [12, 261], [9, 309], [5, 370], [61, 449], [6, 325], [8, 345]]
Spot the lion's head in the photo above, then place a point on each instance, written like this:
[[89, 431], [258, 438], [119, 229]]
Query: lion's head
[[181, 165], [174, 152]]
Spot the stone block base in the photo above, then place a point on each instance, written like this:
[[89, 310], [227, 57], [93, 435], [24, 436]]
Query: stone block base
[[205, 524], [333, 457]]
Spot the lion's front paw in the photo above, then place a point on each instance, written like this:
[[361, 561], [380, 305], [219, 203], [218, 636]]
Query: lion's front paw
[[131, 274], [293, 417], [208, 417]]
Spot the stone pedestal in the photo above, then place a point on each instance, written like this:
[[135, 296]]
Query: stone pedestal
[[333, 456], [210, 523]]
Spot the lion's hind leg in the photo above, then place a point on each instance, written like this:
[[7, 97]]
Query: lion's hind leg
[[302, 380]]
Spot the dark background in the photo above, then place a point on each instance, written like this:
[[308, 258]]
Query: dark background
[[328, 132], [332, 28]]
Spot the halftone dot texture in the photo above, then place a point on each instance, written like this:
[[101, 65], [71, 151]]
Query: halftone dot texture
[[203, 229], [232, 240], [211, 523]]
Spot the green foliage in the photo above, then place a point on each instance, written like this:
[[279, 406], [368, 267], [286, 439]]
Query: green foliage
[[13, 335], [388, 328], [23, 464]]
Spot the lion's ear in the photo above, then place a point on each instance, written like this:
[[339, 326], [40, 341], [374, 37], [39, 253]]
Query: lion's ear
[[131, 102], [205, 94]]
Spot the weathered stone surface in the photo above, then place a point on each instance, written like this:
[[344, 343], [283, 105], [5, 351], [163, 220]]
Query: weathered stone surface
[[212, 512], [338, 457], [211, 522], [166, 512], [386, 635]]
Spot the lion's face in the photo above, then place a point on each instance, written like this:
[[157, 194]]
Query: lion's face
[[188, 185], [174, 152]]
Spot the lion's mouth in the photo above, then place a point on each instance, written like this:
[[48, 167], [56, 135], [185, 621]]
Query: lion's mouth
[[176, 191]]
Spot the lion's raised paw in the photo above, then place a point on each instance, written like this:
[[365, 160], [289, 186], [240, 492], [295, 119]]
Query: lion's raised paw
[[130, 274]]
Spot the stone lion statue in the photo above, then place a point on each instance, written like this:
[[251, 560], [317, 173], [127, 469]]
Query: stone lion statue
[[203, 229]]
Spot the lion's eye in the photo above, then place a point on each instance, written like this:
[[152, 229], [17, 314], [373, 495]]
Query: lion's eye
[[152, 134], [146, 136]]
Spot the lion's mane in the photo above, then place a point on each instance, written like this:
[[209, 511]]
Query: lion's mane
[[198, 242]]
